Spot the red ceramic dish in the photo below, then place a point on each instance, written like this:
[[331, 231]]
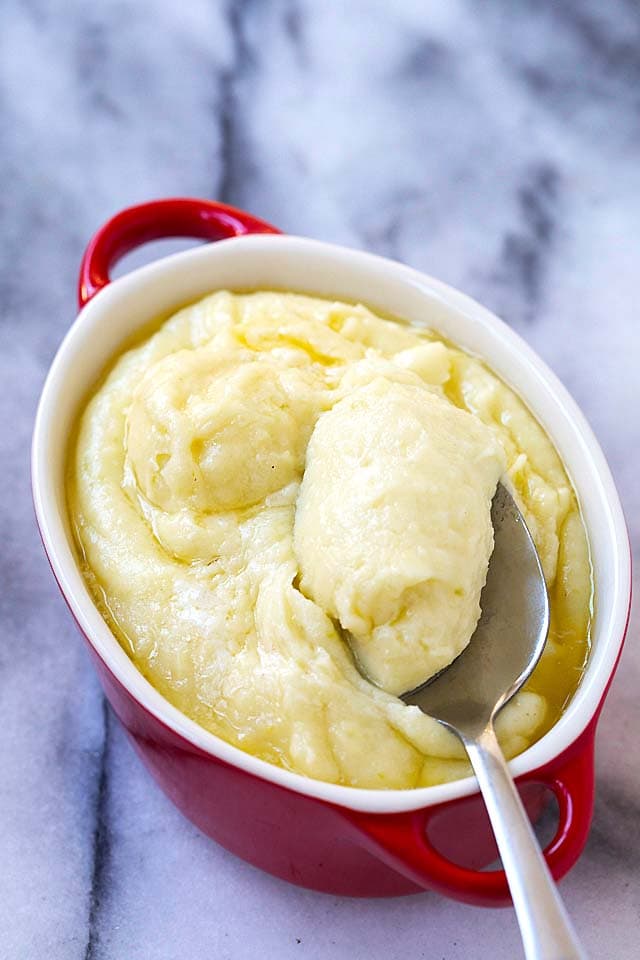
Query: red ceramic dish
[[332, 838]]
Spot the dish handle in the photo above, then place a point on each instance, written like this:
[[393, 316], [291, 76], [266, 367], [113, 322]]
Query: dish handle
[[158, 220], [402, 840]]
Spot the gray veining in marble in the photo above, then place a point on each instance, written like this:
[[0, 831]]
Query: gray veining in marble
[[494, 145]]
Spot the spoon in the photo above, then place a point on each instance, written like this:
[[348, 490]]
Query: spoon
[[466, 697]]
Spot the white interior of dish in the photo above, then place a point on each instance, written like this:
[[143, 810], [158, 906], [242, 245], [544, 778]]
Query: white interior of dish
[[307, 266]]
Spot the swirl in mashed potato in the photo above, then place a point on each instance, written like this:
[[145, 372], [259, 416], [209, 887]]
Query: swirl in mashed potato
[[270, 470]]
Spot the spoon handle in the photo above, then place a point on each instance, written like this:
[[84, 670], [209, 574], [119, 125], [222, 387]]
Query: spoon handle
[[545, 927]]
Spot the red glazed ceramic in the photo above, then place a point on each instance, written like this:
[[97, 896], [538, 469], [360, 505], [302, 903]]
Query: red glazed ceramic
[[337, 839]]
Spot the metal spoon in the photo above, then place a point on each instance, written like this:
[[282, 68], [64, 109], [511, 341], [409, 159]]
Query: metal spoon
[[466, 697]]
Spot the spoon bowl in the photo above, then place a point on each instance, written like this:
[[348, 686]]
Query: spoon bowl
[[510, 635]]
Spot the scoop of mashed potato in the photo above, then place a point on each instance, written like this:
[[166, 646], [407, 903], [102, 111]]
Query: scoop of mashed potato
[[268, 470], [393, 531]]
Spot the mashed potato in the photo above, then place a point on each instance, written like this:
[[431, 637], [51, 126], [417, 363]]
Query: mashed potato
[[393, 530], [270, 470]]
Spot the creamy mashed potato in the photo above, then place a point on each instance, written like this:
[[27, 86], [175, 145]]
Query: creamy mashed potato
[[270, 470], [393, 529]]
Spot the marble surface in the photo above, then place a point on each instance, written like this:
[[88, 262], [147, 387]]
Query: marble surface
[[494, 145]]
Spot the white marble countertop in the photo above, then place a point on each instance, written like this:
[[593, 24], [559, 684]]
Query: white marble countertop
[[494, 145]]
